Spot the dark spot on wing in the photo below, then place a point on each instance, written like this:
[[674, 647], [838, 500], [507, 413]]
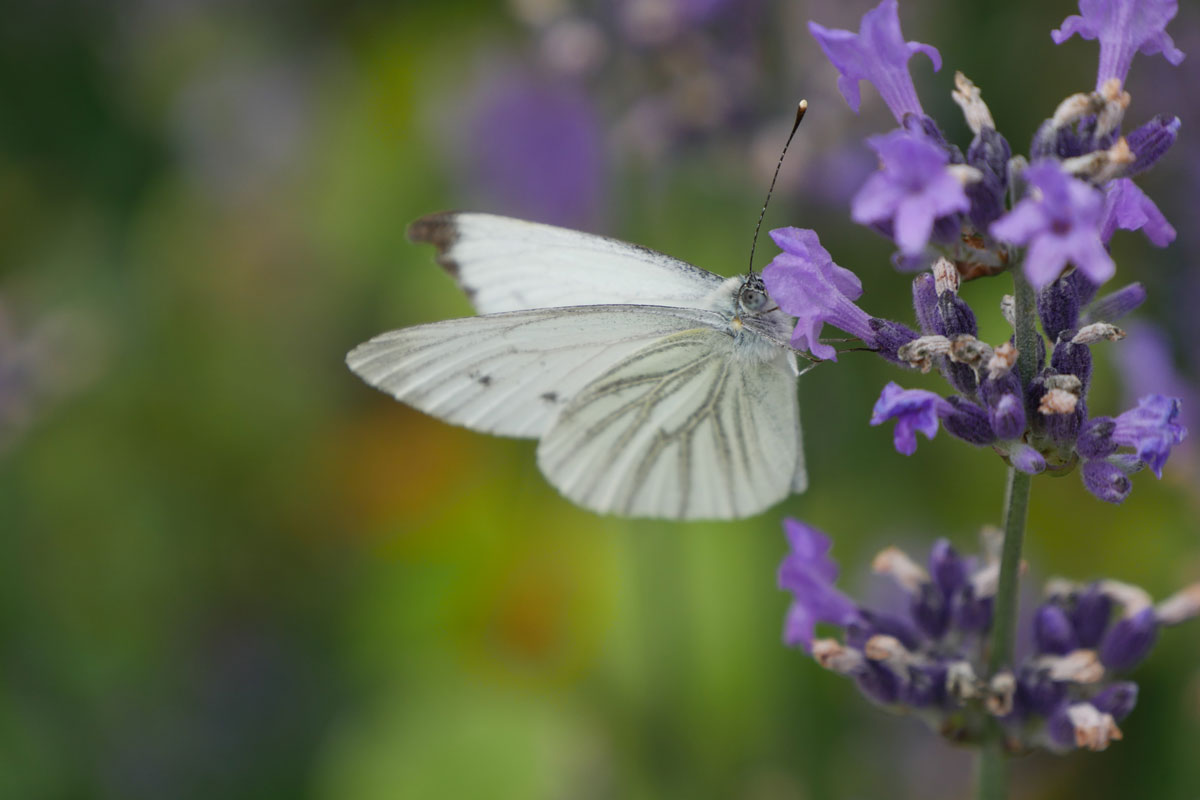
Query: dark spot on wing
[[550, 397], [480, 378]]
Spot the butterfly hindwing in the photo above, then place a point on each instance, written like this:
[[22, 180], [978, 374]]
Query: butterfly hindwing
[[683, 428]]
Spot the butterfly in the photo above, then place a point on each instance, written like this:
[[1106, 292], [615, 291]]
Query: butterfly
[[654, 388]]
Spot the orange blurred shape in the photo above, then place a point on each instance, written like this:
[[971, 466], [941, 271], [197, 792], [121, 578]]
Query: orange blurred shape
[[397, 470]]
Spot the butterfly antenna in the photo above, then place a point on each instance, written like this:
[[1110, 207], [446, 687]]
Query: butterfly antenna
[[800, 109]]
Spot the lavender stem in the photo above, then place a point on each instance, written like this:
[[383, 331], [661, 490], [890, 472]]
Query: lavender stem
[[993, 766]]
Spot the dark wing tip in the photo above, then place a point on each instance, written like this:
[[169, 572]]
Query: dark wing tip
[[439, 230]]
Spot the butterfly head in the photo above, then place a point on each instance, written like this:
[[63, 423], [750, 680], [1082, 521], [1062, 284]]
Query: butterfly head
[[752, 296]]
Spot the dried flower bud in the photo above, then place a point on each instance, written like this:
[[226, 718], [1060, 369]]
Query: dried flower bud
[[1096, 332], [920, 353], [1058, 401], [1078, 666], [1093, 729], [834, 656], [970, 100], [961, 681], [907, 573], [1008, 309], [945, 276], [1000, 692], [1003, 359], [1179, 607]]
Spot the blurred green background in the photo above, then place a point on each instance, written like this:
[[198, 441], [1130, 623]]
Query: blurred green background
[[230, 569]]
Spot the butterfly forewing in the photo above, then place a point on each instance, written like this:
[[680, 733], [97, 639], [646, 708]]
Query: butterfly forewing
[[684, 428], [506, 264], [511, 374]]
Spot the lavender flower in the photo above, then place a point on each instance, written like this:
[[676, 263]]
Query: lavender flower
[[1061, 696], [1060, 222], [1124, 27], [1151, 429], [806, 283], [878, 54], [809, 574], [913, 189], [914, 410]]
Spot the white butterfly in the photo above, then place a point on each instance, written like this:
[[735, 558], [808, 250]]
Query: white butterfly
[[656, 389]]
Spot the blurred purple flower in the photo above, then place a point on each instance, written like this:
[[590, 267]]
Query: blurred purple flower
[[1127, 207], [878, 54], [914, 410], [806, 283], [809, 574], [1060, 223], [537, 150], [1124, 27], [1151, 429], [913, 189]]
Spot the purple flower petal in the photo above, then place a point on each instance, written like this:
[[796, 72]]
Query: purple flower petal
[[1124, 27], [878, 54], [806, 283], [1127, 207], [914, 410], [1060, 222]]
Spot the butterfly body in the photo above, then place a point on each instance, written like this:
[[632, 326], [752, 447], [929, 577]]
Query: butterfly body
[[655, 388]]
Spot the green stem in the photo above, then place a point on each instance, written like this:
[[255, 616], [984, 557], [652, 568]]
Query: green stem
[[993, 765]]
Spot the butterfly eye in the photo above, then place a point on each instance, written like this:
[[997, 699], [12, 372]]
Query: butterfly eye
[[752, 296]]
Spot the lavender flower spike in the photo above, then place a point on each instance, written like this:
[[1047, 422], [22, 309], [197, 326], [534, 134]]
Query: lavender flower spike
[[914, 410], [878, 54], [809, 574], [1060, 222], [1124, 27], [804, 282], [1127, 207], [912, 190], [1151, 429]]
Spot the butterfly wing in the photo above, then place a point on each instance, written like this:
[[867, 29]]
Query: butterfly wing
[[506, 264], [684, 428], [511, 374]]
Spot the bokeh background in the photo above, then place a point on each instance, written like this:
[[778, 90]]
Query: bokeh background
[[229, 569]]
